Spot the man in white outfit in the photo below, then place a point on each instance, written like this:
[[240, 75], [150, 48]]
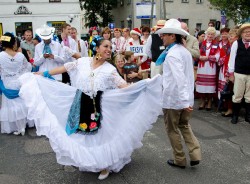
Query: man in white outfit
[[48, 53], [67, 41], [178, 94]]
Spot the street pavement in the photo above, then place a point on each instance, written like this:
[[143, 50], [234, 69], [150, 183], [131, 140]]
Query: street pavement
[[225, 147]]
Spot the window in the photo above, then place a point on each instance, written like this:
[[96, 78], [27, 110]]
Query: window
[[54, 1], [57, 25], [129, 2], [184, 1], [169, 0], [22, 1], [121, 2], [145, 22], [198, 26], [198, 1]]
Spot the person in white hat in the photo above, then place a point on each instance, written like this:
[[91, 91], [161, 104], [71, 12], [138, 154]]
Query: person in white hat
[[239, 70], [178, 93], [48, 53], [154, 47]]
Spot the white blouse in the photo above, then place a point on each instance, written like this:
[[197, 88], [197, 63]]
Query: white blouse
[[90, 80], [13, 67]]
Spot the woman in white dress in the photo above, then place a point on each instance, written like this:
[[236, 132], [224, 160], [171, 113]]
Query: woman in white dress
[[12, 64], [206, 72], [125, 113]]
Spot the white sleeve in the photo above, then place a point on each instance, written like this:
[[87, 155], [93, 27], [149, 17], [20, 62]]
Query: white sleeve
[[177, 69], [232, 57], [117, 79], [84, 50], [71, 66], [148, 47], [38, 58]]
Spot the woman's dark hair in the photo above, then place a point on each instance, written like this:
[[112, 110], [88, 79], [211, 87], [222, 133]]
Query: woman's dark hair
[[96, 42], [145, 29], [200, 33], [9, 44], [225, 29], [179, 39]]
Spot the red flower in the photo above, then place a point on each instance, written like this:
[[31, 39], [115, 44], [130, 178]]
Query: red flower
[[92, 125]]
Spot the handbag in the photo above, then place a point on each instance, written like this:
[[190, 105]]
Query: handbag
[[226, 93]]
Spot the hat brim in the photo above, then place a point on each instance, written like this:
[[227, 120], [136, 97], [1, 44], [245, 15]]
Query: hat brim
[[47, 36], [242, 28], [172, 31]]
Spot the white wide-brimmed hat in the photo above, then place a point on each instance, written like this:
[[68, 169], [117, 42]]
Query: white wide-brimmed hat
[[172, 26], [45, 32]]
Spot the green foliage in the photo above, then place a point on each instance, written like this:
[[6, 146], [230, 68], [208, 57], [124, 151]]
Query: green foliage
[[237, 10], [97, 12]]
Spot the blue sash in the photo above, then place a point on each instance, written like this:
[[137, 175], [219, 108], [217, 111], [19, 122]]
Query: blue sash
[[9, 93], [163, 55]]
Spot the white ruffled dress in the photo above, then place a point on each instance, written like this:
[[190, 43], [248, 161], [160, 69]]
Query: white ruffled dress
[[127, 114], [13, 112]]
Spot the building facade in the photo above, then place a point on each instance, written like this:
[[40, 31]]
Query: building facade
[[196, 13], [19, 15]]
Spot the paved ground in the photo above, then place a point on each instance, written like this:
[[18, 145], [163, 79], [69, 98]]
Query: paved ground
[[225, 150]]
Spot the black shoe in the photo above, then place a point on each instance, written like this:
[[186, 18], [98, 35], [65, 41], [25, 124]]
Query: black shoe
[[193, 163], [171, 162], [234, 119], [208, 108]]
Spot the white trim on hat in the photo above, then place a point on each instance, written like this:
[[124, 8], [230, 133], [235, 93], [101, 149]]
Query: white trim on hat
[[135, 32]]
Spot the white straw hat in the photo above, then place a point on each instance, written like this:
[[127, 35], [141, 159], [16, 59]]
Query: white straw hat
[[172, 26], [45, 32]]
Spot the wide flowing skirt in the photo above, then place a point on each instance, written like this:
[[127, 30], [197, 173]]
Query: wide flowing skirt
[[13, 115], [127, 114]]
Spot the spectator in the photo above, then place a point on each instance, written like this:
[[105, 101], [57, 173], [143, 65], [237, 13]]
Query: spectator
[[27, 43], [81, 46], [239, 70]]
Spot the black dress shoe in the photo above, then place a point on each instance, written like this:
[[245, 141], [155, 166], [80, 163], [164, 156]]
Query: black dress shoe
[[208, 108], [193, 163], [171, 162]]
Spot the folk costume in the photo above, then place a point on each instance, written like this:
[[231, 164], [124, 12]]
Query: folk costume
[[13, 114], [223, 64], [206, 72], [178, 80], [108, 145]]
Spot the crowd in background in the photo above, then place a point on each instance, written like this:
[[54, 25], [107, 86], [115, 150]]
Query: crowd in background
[[210, 50]]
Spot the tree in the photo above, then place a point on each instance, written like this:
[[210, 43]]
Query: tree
[[237, 10], [97, 13]]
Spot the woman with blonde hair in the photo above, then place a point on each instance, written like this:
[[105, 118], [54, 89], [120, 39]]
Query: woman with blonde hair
[[206, 72], [119, 63]]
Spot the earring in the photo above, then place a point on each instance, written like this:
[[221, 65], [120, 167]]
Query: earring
[[98, 56]]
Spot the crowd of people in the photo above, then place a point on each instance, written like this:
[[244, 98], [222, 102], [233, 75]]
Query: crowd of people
[[95, 99]]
